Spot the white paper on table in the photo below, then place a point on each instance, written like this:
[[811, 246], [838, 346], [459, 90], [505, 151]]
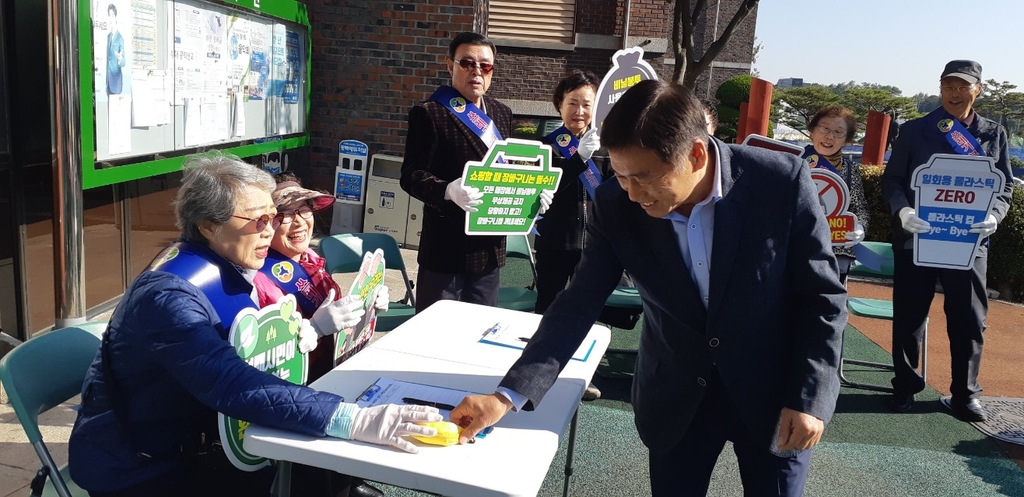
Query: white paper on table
[[390, 391], [504, 335]]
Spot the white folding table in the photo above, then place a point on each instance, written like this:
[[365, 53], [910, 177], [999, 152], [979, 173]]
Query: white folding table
[[441, 347]]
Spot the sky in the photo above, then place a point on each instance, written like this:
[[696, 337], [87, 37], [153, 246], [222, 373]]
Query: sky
[[904, 43]]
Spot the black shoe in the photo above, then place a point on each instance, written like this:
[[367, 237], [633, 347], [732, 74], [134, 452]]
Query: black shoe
[[365, 490], [901, 402], [970, 411]]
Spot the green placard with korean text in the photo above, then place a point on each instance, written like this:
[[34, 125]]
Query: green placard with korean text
[[511, 177], [267, 339]]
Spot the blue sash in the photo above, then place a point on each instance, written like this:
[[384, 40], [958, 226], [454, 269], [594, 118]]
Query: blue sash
[[291, 277], [226, 289], [468, 113], [814, 159], [962, 141], [566, 143]]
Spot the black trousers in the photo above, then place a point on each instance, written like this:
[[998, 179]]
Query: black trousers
[[685, 471], [554, 270], [966, 305], [475, 288]]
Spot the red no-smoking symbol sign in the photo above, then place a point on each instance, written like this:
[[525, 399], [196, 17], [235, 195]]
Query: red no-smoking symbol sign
[[832, 192]]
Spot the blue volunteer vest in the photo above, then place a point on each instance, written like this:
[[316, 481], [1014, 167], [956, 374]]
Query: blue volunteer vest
[[468, 113], [962, 141], [291, 277], [226, 289], [566, 143], [814, 159]]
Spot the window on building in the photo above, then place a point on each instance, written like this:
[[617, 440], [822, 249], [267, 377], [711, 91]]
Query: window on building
[[534, 128], [544, 21]]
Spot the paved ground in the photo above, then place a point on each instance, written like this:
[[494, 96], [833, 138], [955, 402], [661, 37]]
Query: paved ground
[[1002, 365]]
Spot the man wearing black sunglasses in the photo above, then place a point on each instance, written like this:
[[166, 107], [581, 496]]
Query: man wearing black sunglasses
[[455, 125]]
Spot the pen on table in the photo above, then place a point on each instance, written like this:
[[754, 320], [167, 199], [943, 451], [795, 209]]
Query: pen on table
[[492, 329], [428, 403], [524, 339]]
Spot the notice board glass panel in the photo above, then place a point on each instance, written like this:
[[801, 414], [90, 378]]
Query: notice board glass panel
[[164, 78]]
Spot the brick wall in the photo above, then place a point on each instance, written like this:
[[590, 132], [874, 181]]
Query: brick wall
[[373, 60], [599, 17], [651, 18]]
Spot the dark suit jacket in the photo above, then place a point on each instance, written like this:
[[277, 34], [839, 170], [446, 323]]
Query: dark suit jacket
[[776, 310], [437, 147], [916, 144]]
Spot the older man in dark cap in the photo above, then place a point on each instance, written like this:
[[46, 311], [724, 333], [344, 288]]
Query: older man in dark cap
[[966, 301]]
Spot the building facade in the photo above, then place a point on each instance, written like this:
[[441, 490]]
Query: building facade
[[371, 61], [374, 60]]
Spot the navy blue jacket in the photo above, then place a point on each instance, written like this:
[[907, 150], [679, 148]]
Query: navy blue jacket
[[775, 314], [174, 370]]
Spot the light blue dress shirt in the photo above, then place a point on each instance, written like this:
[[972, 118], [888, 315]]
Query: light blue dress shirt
[[696, 232]]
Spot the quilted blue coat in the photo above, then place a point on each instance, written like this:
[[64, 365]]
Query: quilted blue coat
[[173, 371]]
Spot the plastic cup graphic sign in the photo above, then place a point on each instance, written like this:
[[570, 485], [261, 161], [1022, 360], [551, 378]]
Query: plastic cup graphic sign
[[267, 339], [628, 69], [511, 177], [952, 193], [834, 196], [350, 175]]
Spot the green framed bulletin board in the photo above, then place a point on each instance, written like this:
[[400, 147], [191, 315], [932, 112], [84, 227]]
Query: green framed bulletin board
[[160, 79]]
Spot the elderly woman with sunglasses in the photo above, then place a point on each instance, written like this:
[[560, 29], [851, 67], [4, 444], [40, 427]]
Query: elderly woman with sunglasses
[[832, 128], [291, 261], [147, 424]]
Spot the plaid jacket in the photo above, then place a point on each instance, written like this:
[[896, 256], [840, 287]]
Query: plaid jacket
[[437, 148]]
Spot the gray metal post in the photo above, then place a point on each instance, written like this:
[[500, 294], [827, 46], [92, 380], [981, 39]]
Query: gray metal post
[[68, 229]]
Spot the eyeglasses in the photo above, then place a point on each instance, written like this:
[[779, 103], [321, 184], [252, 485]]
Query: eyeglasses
[[831, 133], [262, 221], [286, 217], [958, 89], [470, 64]]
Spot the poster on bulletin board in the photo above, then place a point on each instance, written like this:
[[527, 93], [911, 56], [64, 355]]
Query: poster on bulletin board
[[178, 75]]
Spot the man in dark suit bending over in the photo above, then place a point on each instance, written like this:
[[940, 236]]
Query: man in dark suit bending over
[[455, 125], [743, 309]]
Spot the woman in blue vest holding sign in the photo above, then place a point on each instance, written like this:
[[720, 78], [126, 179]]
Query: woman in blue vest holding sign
[[294, 268], [562, 230], [147, 425], [832, 128]]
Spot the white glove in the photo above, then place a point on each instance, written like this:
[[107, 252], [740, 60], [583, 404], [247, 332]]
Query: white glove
[[466, 197], [546, 196], [912, 223], [986, 227], [307, 337], [383, 299], [589, 143], [857, 235], [336, 315], [387, 424]]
